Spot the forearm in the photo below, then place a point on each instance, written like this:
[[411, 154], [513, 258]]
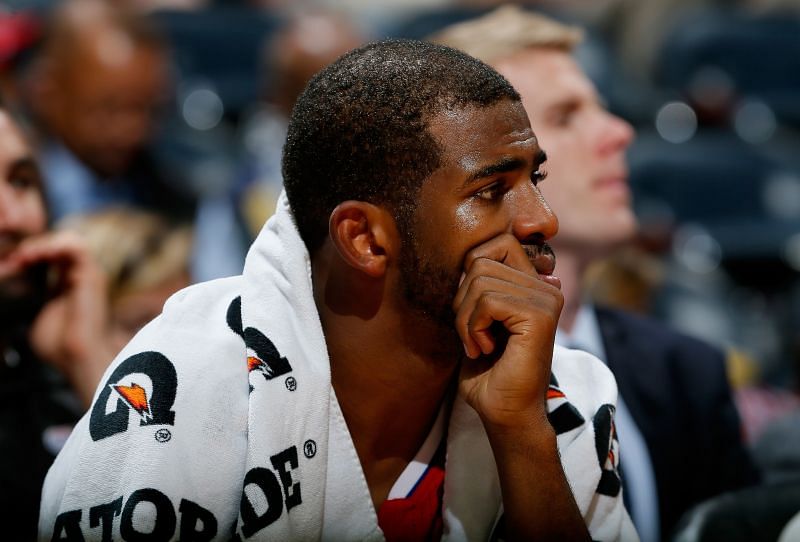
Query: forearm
[[537, 500]]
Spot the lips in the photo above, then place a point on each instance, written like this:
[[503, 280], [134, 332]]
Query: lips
[[615, 181], [542, 257]]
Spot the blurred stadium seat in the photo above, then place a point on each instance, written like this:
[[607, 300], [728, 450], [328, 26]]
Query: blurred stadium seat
[[220, 47], [748, 201], [760, 56]]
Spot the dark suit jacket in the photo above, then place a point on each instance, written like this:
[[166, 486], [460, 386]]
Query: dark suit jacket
[[677, 391]]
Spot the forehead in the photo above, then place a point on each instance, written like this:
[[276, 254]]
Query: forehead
[[545, 76], [118, 66], [473, 134]]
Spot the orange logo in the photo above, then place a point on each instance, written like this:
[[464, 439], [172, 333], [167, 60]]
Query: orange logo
[[136, 397], [254, 363], [554, 393]]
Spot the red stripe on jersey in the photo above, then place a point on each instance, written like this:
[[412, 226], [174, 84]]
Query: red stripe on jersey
[[418, 516]]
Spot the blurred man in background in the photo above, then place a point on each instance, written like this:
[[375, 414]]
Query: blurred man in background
[[676, 421], [69, 300], [307, 43], [52, 316], [100, 80]]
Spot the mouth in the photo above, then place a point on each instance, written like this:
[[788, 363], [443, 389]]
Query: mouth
[[542, 257], [617, 183]]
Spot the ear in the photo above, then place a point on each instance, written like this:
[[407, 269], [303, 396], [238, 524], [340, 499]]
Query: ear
[[364, 236]]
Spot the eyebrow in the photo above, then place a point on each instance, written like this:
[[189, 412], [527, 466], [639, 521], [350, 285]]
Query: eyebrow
[[24, 162], [504, 165]]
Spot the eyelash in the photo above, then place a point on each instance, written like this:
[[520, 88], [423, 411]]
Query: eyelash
[[493, 191], [538, 176]]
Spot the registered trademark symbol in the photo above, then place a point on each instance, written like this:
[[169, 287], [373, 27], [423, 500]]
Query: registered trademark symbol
[[291, 383], [310, 448], [163, 435]]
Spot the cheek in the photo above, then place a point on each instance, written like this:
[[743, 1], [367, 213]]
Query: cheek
[[465, 218], [34, 213], [558, 196], [475, 223]]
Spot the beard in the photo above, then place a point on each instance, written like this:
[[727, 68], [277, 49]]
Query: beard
[[428, 289]]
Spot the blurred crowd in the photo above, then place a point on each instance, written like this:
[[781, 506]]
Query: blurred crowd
[[148, 136]]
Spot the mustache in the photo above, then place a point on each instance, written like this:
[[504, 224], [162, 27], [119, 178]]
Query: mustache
[[538, 250]]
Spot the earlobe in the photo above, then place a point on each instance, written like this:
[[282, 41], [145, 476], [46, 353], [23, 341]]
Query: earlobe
[[360, 235]]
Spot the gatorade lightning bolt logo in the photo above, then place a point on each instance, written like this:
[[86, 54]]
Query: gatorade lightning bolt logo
[[136, 397], [153, 407], [265, 357], [562, 414], [254, 364]]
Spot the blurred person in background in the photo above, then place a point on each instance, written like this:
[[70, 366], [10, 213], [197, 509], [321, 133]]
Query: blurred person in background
[[308, 42], [100, 79], [52, 333], [676, 421], [19, 33], [69, 300]]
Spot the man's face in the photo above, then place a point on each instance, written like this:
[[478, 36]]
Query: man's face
[[587, 173], [22, 210], [485, 187], [106, 103]]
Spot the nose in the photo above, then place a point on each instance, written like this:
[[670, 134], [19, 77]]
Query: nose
[[617, 134], [533, 217], [131, 127]]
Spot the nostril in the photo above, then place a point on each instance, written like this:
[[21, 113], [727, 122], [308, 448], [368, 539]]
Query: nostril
[[535, 239]]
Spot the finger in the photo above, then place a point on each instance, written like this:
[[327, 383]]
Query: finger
[[480, 342], [490, 307], [483, 267], [542, 297], [520, 310], [504, 248], [53, 247]]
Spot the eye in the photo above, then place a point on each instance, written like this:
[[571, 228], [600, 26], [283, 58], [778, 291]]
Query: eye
[[492, 192], [24, 178], [538, 176], [21, 182]]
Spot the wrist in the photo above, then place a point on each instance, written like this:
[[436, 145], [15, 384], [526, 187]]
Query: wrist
[[524, 435]]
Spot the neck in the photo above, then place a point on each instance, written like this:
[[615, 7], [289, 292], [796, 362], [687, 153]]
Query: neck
[[570, 270], [389, 393]]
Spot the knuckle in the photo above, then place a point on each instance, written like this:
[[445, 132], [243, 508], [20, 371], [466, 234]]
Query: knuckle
[[481, 282], [462, 320], [471, 256], [480, 265], [485, 300]]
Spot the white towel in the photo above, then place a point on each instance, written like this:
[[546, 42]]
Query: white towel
[[219, 421]]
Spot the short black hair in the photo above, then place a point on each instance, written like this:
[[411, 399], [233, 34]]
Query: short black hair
[[359, 131]]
